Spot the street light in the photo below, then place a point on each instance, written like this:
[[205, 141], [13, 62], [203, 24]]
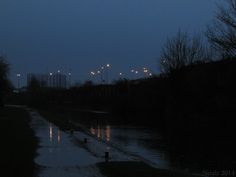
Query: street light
[[50, 79], [69, 74], [92, 73], [102, 71], [108, 66], [136, 74], [18, 80], [145, 71]]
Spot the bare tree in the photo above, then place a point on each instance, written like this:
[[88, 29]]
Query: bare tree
[[4, 82], [222, 32], [183, 50]]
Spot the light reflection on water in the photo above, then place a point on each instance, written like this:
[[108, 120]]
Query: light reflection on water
[[101, 133], [58, 136], [51, 131], [144, 142]]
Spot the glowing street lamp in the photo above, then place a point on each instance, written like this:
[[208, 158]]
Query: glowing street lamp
[[18, 80], [102, 71], [145, 71], [50, 79], [107, 72], [69, 74]]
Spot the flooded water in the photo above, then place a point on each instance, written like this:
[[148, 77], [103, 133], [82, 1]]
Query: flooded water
[[76, 153], [143, 143], [58, 155], [68, 154]]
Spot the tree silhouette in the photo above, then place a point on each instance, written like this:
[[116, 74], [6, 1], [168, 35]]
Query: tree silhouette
[[222, 32], [4, 82], [183, 50]]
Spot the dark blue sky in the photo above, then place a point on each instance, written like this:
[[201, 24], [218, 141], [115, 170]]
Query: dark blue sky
[[46, 35]]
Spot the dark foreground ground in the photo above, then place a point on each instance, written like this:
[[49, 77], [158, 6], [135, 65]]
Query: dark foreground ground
[[18, 144], [136, 169]]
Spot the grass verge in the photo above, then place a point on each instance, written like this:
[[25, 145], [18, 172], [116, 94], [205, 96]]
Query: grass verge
[[18, 143]]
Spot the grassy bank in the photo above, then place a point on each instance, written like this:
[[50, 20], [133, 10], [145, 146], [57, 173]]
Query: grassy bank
[[18, 144], [137, 169]]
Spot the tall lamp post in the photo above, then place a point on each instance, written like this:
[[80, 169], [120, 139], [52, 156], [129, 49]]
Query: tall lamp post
[[99, 73], [136, 74], [145, 71], [18, 81], [69, 84], [102, 72], [120, 75], [50, 80], [92, 74], [108, 67]]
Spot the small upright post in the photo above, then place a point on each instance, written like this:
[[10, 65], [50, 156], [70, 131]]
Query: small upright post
[[107, 156]]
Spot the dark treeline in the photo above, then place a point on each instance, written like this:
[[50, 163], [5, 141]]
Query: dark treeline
[[5, 84]]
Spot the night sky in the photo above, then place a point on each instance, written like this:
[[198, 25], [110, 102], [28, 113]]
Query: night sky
[[81, 35]]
